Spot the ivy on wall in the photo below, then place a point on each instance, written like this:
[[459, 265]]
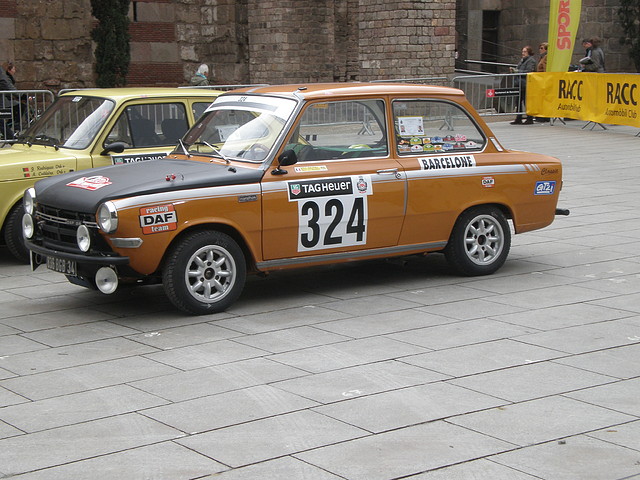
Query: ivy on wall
[[629, 15], [111, 36]]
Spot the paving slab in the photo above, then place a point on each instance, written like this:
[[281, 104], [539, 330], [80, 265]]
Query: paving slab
[[162, 461], [541, 420], [576, 457], [270, 438], [403, 452]]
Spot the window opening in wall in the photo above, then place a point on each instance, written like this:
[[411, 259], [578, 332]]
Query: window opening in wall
[[490, 27], [135, 11]]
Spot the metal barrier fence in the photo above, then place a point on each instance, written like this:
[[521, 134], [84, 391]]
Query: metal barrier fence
[[490, 94], [18, 109], [495, 94], [440, 81]]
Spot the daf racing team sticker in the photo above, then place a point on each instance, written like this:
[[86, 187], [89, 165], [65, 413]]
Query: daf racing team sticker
[[158, 218]]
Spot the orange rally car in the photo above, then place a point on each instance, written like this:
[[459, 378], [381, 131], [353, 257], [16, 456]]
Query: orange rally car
[[290, 176]]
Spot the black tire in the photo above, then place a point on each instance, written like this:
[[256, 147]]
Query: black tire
[[204, 273], [13, 237], [480, 241]]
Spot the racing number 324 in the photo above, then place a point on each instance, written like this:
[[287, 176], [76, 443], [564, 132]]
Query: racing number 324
[[332, 222]]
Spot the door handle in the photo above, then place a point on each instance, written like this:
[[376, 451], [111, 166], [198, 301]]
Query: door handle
[[388, 171]]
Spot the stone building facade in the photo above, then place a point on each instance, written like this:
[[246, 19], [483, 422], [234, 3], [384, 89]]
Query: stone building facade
[[496, 30], [282, 41], [243, 41]]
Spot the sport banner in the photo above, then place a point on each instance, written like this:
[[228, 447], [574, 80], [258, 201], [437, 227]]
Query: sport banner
[[593, 97], [564, 17]]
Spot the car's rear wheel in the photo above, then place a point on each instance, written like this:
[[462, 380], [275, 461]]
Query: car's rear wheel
[[204, 273], [13, 237], [480, 241]]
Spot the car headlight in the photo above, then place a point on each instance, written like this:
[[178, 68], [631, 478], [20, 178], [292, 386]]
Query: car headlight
[[28, 227], [83, 238], [107, 217], [29, 200]]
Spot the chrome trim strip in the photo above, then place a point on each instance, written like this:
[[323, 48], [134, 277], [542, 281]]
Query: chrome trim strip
[[331, 257], [64, 221]]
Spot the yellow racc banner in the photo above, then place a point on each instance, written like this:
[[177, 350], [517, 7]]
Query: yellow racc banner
[[593, 97], [564, 17]]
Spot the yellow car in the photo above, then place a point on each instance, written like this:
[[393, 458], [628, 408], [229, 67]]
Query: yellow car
[[93, 128], [291, 176]]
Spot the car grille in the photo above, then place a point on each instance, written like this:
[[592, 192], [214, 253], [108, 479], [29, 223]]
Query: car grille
[[58, 229]]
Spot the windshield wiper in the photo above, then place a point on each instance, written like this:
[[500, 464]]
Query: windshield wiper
[[49, 140], [184, 149], [215, 150]]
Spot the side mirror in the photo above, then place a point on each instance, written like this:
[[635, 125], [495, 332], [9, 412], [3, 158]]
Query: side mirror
[[286, 158], [115, 147]]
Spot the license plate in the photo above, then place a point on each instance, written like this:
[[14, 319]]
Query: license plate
[[61, 265]]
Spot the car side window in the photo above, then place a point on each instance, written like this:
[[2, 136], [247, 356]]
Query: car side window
[[434, 126], [198, 109], [150, 125], [340, 130]]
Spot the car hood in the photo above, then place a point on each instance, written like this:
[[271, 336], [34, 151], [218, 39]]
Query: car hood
[[84, 191], [18, 162]]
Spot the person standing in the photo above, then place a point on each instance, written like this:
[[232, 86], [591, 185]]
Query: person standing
[[542, 59], [200, 78], [593, 60], [7, 102], [526, 65], [542, 67]]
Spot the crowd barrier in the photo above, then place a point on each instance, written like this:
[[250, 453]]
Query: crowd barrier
[[598, 98], [19, 108]]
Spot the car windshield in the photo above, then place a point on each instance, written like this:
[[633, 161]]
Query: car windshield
[[71, 122], [240, 127]]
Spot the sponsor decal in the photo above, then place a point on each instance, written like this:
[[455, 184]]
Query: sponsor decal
[[141, 157], [545, 188], [158, 218], [447, 162], [90, 183], [328, 187], [332, 212], [362, 185], [311, 168], [45, 170], [488, 182]]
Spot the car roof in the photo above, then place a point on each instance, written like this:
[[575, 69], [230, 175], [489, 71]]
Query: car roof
[[313, 91], [128, 93]]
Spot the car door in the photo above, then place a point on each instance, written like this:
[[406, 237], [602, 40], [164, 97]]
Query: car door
[[440, 148], [147, 130], [344, 195]]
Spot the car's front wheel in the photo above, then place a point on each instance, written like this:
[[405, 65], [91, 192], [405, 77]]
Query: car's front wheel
[[13, 237], [204, 273], [480, 241]]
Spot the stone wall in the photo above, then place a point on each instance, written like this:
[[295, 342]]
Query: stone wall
[[400, 38], [242, 41], [526, 22]]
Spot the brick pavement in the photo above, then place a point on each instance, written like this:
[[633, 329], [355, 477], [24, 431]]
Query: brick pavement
[[376, 370]]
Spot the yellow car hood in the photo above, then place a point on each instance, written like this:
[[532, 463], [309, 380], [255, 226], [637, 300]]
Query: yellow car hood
[[21, 161]]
